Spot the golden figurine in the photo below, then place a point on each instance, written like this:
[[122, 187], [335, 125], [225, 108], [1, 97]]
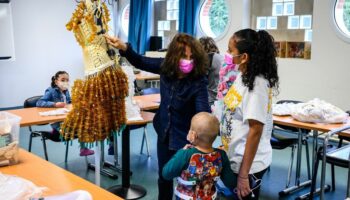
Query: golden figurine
[[98, 100]]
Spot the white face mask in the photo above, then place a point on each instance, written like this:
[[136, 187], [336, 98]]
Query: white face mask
[[63, 85]]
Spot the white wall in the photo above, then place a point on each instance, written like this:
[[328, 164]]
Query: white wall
[[43, 46], [325, 76]]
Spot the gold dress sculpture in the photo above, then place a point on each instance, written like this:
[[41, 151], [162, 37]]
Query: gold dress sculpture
[[99, 100]]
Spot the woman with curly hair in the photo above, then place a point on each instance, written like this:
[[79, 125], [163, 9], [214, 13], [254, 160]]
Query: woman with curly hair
[[215, 62], [183, 90], [247, 117]]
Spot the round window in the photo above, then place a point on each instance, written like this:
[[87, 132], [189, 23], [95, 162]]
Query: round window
[[125, 19], [341, 18], [213, 17]]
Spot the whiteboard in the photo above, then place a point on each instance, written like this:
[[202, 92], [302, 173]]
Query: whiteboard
[[6, 32]]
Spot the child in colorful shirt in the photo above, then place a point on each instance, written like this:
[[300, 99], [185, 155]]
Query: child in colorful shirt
[[198, 166]]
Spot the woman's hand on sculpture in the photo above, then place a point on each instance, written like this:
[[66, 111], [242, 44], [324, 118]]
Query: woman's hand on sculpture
[[116, 42]]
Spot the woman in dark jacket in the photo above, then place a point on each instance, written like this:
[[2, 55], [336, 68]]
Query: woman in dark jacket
[[183, 91]]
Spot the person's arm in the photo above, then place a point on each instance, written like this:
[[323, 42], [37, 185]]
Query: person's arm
[[254, 135], [255, 113], [201, 98], [140, 62], [46, 100], [175, 165], [227, 176]]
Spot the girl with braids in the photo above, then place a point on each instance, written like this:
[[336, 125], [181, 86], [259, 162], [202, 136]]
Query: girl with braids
[[247, 118], [57, 96]]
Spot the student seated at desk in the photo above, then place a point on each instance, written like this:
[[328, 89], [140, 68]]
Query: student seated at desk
[[57, 96], [198, 167]]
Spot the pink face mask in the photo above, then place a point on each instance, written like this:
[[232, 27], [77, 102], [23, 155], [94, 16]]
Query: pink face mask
[[229, 61], [186, 66]]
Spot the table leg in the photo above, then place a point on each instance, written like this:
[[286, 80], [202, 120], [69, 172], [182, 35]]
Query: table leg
[[97, 162], [348, 189], [126, 190], [297, 185]]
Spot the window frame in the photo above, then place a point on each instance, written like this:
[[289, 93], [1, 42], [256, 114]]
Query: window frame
[[121, 20], [334, 23], [201, 33]]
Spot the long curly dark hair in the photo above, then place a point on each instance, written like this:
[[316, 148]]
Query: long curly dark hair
[[176, 51], [259, 45], [209, 45]]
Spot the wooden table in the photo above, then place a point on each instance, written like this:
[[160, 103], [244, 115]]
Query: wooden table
[[148, 102], [147, 76], [30, 116], [289, 121], [56, 179], [315, 127]]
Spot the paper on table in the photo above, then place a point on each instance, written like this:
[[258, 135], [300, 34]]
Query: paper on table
[[138, 118], [60, 111]]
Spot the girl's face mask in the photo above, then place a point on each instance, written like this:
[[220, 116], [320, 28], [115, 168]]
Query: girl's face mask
[[186, 66], [229, 60], [63, 85]]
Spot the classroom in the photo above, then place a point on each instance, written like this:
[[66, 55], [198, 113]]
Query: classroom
[[174, 99]]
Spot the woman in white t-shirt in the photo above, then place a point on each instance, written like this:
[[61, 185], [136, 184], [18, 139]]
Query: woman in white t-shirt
[[247, 119]]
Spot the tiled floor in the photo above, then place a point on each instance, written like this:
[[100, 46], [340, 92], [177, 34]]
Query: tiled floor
[[145, 169]]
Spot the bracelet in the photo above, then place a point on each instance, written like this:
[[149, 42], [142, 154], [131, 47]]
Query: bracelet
[[242, 177]]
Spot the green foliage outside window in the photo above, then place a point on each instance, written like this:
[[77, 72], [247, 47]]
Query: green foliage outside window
[[346, 14], [218, 16]]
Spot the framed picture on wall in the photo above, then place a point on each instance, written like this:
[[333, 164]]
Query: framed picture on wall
[[295, 49], [277, 9], [305, 21], [288, 8], [271, 23], [261, 23], [293, 22]]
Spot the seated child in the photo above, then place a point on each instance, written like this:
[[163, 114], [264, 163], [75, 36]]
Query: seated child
[[198, 167], [58, 96]]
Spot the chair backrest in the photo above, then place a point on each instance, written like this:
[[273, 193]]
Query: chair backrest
[[31, 102], [288, 127]]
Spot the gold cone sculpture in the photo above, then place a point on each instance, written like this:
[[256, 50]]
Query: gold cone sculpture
[[98, 100]]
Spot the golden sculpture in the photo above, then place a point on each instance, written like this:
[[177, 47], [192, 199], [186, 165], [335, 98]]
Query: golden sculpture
[[99, 100]]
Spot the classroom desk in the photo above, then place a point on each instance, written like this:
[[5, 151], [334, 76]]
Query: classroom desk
[[148, 102], [315, 127], [30, 116], [56, 179], [147, 76]]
